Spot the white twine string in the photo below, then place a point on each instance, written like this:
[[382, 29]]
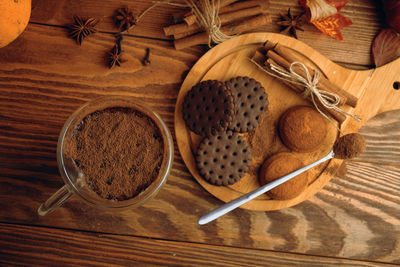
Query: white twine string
[[206, 12], [310, 83], [158, 3], [155, 4]]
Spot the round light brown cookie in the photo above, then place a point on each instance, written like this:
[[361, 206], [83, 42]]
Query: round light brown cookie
[[302, 129], [208, 108], [279, 165], [223, 159], [251, 101]]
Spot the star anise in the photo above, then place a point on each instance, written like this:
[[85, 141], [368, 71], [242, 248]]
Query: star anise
[[114, 57], [81, 28], [291, 23], [125, 19]]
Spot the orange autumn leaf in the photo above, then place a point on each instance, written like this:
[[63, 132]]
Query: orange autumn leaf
[[331, 25], [339, 4]]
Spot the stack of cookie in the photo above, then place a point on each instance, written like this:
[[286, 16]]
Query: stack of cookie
[[220, 112]]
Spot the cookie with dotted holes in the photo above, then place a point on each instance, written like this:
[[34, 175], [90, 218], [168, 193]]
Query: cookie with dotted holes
[[208, 108], [223, 159], [251, 101]]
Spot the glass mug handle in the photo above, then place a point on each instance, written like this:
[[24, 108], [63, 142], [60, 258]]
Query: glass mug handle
[[55, 201]]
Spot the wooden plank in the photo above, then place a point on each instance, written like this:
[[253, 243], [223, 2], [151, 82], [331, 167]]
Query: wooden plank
[[37, 246], [382, 134], [356, 216], [44, 77], [66, 72], [356, 46], [365, 14]]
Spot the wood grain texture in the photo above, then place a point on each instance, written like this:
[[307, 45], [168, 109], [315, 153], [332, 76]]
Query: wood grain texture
[[34, 246], [383, 137], [367, 17], [44, 76], [356, 216]]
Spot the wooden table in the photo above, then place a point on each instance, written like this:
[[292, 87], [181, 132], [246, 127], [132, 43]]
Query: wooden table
[[45, 76]]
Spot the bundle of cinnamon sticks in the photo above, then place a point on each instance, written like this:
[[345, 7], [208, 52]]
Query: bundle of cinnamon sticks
[[282, 56], [235, 17]]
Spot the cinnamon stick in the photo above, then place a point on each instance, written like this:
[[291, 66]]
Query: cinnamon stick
[[324, 83], [246, 25], [190, 18], [299, 90], [263, 4], [340, 118], [185, 34], [286, 64], [224, 19], [237, 28]]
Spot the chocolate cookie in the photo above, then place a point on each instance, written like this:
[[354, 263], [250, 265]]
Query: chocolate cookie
[[223, 159], [250, 102], [302, 129], [208, 108]]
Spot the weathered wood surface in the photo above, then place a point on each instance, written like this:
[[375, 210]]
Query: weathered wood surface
[[367, 17], [36, 246], [44, 76]]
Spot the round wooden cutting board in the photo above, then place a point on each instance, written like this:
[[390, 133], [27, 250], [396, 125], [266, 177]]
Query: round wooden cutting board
[[374, 88]]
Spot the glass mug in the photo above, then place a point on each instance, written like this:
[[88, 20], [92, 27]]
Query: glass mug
[[75, 180]]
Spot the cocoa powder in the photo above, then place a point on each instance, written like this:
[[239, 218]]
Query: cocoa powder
[[119, 150], [302, 129], [263, 140], [349, 146], [279, 165]]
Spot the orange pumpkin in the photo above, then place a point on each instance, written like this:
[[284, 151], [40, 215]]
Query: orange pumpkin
[[14, 16]]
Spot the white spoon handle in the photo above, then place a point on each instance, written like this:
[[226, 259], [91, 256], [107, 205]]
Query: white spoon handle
[[227, 207]]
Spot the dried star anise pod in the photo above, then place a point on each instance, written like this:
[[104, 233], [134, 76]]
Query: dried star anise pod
[[291, 23], [125, 19], [81, 28], [114, 56]]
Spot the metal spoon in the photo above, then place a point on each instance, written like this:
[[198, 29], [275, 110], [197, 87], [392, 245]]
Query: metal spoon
[[227, 207]]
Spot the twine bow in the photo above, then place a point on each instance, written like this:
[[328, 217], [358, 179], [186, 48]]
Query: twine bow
[[310, 83], [206, 12]]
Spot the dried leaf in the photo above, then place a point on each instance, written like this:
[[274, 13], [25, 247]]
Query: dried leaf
[[339, 4], [324, 15], [392, 12], [386, 47], [318, 9], [331, 25]]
